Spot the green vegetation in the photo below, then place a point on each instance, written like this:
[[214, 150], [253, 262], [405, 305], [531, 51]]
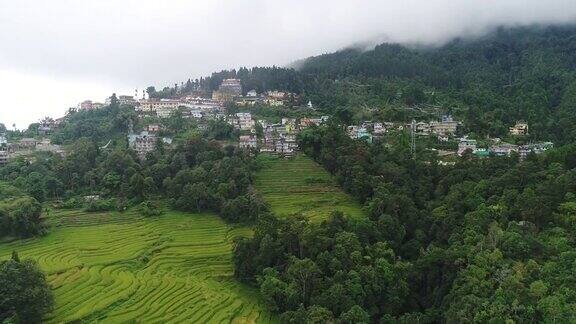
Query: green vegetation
[[478, 241], [25, 296], [490, 82], [481, 241], [124, 267], [301, 186]]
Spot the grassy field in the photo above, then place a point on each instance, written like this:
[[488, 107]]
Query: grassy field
[[300, 185], [117, 268]]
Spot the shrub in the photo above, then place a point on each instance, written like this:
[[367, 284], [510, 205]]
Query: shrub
[[101, 205], [150, 209]]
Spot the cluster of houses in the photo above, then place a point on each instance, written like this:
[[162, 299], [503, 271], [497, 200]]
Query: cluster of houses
[[444, 129], [146, 141], [25, 147], [277, 138], [230, 90], [499, 148], [191, 107]]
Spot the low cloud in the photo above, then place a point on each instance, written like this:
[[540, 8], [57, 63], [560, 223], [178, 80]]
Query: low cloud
[[127, 44]]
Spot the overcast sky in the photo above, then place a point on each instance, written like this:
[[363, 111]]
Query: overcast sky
[[56, 53]]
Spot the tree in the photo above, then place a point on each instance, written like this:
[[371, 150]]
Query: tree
[[302, 274], [25, 296], [355, 315], [21, 216]]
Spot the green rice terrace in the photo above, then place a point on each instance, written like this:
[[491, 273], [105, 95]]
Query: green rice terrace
[[300, 185], [117, 268]]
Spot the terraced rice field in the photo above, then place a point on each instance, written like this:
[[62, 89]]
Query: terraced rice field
[[300, 185], [118, 268]]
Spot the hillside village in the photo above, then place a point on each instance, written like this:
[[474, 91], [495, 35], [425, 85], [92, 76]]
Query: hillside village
[[274, 137]]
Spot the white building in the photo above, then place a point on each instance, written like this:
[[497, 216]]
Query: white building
[[165, 112], [252, 93], [248, 142], [466, 144], [245, 121], [379, 129], [521, 128], [142, 143], [154, 104], [504, 149]]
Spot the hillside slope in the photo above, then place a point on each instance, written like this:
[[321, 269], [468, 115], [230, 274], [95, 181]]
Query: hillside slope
[[300, 185], [119, 268]]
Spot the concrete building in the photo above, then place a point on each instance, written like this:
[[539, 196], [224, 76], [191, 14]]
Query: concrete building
[[379, 129], [245, 121], [447, 126], [278, 95], [228, 90], [248, 142], [231, 86], [27, 143], [122, 100], [86, 105], [286, 145], [154, 104], [537, 148], [252, 93], [466, 144], [153, 128], [45, 145], [142, 143], [504, 149], [165, 112], [3, 157], [521, 128]]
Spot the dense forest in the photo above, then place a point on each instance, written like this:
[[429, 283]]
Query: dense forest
[[485, 240]]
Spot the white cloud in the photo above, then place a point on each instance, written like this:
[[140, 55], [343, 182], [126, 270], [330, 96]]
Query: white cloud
[[124, 44]]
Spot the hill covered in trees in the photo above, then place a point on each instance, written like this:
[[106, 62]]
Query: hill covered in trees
[[480, 240], [490, 82]]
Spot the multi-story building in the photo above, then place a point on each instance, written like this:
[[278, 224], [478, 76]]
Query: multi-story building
[[3, 157], [27, 143], [153, 128], [252, 93], [155, 104], [466, 144], [3, 149], [228, 90], [122, 100], [503, 149], [521, 128], [45, 145], [248, 142], [537, 148], [286, 145], [245, 121], [231, 86], [86, 105], [46, 125], [165, 112], [379, 129], [447, 126], [278, 95], [142, 143]]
